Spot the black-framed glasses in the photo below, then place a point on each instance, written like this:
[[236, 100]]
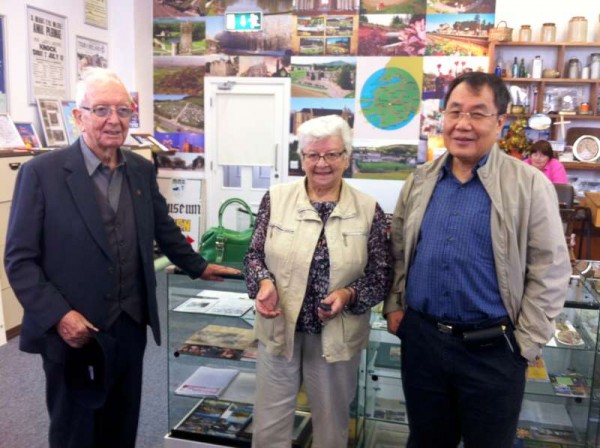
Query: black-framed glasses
[[476, 117], [102, 111], [329, 157]]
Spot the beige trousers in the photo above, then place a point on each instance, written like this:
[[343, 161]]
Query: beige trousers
[[330, 387]]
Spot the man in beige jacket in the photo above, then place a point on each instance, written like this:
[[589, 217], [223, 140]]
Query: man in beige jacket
[[481, 272]]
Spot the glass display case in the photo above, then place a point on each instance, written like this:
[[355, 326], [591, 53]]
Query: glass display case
[[561, 406], [212, 359]]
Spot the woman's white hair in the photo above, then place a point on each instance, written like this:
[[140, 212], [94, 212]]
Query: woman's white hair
[[322, 127], [90, 76]]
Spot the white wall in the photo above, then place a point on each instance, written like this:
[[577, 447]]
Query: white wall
[[129, 49], [538, 12]]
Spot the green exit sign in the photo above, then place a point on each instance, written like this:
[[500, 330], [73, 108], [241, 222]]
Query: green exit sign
[[243, 21]]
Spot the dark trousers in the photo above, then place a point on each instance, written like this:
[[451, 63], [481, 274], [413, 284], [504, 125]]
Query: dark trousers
[[114, 425], [456, 391]]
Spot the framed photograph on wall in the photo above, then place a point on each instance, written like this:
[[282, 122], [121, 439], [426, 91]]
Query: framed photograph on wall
[[48, 74], [29, 135], [53, 124], [90, 53]]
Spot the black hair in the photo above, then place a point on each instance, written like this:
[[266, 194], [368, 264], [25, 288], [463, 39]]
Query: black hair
[[476, 81]]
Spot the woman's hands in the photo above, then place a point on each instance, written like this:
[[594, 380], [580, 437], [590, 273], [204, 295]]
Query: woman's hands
[[267, 299], [338, 300]]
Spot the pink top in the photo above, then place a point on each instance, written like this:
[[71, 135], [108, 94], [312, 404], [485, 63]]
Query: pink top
[[554, 170]]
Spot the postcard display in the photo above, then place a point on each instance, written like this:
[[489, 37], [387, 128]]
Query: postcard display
[[212, 362], [561, 407]]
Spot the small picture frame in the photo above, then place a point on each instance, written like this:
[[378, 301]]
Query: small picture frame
[[69, 119], [29, 135], [53, 124]]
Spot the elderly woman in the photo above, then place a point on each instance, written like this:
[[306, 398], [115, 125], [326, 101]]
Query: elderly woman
[[542, 157], [318, 261]]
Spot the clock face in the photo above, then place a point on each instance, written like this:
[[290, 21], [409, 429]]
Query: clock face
[[586, 148]]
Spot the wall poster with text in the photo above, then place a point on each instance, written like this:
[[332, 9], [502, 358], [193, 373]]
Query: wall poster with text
[[48, 75]]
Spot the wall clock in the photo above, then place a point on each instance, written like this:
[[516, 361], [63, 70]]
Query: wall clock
[[586, 148]]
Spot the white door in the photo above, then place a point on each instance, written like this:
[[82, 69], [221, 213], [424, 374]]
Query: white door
[[246, 141]]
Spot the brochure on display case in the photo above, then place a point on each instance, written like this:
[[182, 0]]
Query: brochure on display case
[[222, 303], [207, 382]]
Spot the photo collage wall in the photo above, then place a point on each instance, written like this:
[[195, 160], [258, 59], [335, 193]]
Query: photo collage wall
[[383, 65]]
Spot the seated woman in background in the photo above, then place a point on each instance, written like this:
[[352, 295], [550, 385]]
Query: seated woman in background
[[541, 156]]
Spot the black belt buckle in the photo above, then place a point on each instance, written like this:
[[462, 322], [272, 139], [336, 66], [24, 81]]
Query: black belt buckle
[[444, 328]]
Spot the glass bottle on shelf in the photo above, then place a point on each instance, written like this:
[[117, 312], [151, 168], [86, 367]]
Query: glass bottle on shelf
[[515, 68], [522, 70], [595, 65], [498, 70]]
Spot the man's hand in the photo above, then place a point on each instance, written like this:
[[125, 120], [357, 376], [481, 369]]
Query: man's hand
[[393, 320], [267, 299], [75, 329], [215, 272]]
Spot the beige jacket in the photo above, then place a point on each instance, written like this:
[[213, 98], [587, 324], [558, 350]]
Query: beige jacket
[[530, 252], [293, 232]]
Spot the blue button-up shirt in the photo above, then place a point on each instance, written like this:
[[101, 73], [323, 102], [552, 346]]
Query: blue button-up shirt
[[453, 275]]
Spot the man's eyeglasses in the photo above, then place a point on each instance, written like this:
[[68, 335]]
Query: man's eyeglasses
[[105, 111], [475, 117], [329, 157]]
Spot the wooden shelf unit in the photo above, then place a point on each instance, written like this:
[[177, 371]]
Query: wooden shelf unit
[[555, 56]]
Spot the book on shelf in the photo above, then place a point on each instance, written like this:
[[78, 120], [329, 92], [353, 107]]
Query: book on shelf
[[537, 372], [215, 418], [206, 382], [392, 410], [222, 303], [570, 385], [210, 351], [213, 340]]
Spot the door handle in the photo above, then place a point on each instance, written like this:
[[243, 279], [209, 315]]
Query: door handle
[[14, 165]]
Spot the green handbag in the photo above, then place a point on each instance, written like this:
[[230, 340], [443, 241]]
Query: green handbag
[[221, 245]]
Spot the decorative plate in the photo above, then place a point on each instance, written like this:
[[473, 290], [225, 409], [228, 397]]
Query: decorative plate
[[586, 148]]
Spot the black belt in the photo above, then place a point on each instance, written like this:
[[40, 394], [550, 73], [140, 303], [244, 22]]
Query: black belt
[[458, 328]]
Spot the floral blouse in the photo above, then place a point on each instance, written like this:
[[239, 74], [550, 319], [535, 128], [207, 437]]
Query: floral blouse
[[371, 288]]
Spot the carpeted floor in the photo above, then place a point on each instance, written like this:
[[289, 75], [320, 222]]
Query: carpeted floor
[[23, 416]]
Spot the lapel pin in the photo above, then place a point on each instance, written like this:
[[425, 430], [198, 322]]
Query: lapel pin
[[138, 192]]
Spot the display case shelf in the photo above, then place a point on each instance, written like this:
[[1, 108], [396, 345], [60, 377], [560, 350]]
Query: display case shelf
[[571, 419], [192, 326]]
